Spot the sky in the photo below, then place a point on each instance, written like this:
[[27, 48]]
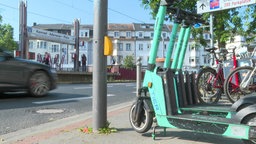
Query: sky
[[65, 11]]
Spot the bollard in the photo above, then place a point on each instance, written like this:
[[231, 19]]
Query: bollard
[[138, 75]]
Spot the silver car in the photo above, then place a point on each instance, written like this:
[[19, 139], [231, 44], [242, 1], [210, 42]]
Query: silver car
[[24, 75]]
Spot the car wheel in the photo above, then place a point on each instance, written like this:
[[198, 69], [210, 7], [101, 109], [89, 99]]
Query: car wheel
[[39, 84]]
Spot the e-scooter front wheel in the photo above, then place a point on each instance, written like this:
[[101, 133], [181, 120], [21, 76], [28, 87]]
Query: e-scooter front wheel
[[140, 118]]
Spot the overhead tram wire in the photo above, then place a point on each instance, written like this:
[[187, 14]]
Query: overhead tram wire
[[29, 12], [73, 8], [48, 17], [122, 14], [8, 6]]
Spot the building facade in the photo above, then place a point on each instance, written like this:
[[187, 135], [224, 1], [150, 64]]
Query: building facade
[[132, 39]]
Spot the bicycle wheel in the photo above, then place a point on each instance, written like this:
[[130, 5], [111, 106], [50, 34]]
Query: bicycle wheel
[[206, 91], [232, 88]]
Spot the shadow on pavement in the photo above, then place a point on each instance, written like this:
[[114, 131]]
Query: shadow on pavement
[[190, 136]]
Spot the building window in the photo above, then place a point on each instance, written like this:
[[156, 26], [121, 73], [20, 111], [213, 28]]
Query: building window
[[164, 35], [191, 60], [191, 47], [140, 47], [116, 34], [206, 36], [120, 59], [37, 44], [86, 34], [148, 46], [41, 44], [205, 60], [152, 34], [197, 60], [31, 45], [44, 45], [128, 34], [55, 48], [82, 34], [140, 35], [128, 47], [120, 46]]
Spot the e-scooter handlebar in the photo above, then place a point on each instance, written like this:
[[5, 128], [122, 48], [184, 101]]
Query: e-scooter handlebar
[[189, 17], [168, 2]]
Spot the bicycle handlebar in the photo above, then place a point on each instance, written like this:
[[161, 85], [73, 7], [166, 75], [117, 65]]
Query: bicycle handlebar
[[211, 50]]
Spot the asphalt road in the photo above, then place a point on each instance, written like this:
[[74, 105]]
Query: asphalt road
[[19, 111]]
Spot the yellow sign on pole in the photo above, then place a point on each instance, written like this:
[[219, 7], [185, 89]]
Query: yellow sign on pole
[[108, 46]]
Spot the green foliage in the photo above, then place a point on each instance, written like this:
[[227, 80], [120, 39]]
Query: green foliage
[[6, 37], [106, 129], [227, 23], [129, 62]]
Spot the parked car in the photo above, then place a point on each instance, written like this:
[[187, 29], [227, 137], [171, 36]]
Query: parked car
[[18, 74]]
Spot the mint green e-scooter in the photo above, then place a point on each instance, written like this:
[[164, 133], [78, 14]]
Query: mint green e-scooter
[[169, 95]]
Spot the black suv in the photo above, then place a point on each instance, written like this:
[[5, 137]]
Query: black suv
[[18, 74]]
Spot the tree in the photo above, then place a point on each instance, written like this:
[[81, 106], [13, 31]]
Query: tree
[[226, 24], [6, 37], [129, 62]]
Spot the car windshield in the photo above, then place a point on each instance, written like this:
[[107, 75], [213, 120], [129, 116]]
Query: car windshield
[[5, 55]]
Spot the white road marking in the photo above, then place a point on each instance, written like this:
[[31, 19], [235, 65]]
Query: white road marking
[[65, 100], [125, 84], [78, 88]]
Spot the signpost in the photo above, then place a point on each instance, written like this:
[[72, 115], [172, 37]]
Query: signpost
[[209, 6], [23, 39], [35, 33], [205, 6], [99, 104]]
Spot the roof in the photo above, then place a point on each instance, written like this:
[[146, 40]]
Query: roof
[[111, 27], [54, 26], [148, 27], [120, 27]]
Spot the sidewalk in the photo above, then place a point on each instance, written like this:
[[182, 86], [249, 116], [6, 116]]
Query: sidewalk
[[66, 131]]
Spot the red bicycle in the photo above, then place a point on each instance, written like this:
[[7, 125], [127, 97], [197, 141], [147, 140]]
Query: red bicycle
[[210, 81]]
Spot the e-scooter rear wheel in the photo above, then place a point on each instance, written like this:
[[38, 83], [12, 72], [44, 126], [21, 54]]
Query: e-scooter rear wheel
[[145, 120], [249, 120]]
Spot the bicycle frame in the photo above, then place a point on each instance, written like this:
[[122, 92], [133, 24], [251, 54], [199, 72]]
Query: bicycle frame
[[243, 85], [219, 76], [220, 73], [246, 80]]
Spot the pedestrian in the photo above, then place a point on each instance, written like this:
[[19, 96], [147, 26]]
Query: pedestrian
[[46, 59], [55, 61], [84, 62]]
